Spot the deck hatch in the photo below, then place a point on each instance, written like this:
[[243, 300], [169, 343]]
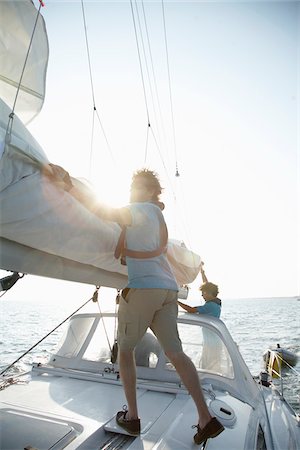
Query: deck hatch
[[20, 430]]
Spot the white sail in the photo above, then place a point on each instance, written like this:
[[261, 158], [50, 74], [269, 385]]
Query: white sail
[[17, 22]]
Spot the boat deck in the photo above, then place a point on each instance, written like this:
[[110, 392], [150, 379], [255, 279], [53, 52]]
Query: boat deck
[[53, 411]]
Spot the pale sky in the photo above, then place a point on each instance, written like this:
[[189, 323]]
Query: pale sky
[[234, 72]]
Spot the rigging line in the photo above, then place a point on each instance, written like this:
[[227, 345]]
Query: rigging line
[[92, 89], [184, 224], [147, 68], [170, 89], [145, 96], [105, 137], [283, 361], [140, 61], [116, 315], [48, 334], [146, 149], [163, 163], [153, 73], [11, 116], [92, 144], [88, 53], [184, 215], [104, 327], [146, 64]]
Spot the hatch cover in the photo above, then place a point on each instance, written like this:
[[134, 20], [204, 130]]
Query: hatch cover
[[20, 430]]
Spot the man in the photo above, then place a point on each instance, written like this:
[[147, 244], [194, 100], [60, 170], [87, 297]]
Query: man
[[150, 299]]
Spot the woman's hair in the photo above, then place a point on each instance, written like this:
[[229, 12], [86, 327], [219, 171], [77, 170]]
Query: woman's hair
[[150, 179], [210, 288]]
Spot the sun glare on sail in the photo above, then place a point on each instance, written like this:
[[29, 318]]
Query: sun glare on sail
[[111, 191]]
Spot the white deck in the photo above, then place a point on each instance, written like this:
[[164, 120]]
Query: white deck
[[72, 402]]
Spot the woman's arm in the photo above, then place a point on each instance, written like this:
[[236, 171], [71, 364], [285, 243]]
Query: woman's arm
[[189, 309], [204, 277]]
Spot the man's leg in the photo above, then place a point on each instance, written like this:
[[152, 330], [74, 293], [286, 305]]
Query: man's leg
[[135, 314], [188, 374], [128, 378]]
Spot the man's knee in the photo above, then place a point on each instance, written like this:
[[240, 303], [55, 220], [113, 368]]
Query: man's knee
[[175, 357], [125, 355]]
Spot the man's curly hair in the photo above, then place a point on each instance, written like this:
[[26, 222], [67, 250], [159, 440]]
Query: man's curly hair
[[150, 179]]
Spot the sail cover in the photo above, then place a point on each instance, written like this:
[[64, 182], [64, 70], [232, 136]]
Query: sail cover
[[17, 22], [43, 229]]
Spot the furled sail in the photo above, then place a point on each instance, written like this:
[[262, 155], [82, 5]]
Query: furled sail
[[17, 22], [46, 231]]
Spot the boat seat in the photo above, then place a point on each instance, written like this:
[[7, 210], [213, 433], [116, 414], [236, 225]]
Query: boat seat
[[147, 351]]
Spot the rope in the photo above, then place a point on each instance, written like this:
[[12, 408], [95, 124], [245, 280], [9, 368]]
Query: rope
[[146, 60], [185, 215], [104, 327], [11, 115], [95, 111], [170, 90], [279, 357], [149, 81], [144, 90], [146, 148], [163, 162], [140, 62], [116, 307], [153, 71], [48, 334], [88, 52]]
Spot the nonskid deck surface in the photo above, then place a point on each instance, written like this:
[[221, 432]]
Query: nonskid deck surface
[[52, 412], [151, 406]]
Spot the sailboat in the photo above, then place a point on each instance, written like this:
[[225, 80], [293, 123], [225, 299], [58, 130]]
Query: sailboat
[[71, 401]]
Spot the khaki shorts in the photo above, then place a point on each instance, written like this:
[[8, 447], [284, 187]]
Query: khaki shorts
[[148, 308]]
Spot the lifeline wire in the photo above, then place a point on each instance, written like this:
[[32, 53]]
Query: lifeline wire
[[54, 329]]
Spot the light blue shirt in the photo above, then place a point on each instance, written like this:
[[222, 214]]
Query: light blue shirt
[[144, 235], [210, 308]]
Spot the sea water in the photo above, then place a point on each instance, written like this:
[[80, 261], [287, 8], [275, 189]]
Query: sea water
[[255, 324]]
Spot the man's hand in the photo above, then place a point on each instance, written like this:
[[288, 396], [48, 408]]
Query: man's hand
[[59, 176]]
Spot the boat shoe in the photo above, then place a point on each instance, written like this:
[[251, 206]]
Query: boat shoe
[[132, 426], [211, 430]]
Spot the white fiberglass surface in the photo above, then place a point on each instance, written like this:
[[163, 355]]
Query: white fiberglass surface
[[74, 337]]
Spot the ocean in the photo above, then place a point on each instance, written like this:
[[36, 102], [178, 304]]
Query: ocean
[[255, 325]]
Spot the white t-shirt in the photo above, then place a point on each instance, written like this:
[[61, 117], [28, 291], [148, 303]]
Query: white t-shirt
[[144, 235]]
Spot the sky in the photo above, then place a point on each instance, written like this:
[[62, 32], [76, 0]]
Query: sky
[[222, 98]]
